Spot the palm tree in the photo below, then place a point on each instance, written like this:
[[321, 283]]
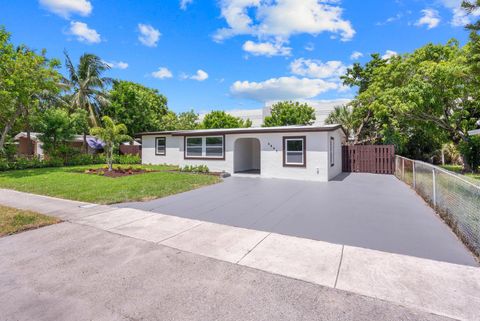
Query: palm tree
[[87, 86], [112, 135], [343, 115]]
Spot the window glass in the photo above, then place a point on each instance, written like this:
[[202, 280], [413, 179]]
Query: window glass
[[294, 151], [194, 146], [161, 145], [214, 146], [332, 151]]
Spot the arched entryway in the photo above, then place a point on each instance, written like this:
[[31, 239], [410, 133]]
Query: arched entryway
[[246, 156]]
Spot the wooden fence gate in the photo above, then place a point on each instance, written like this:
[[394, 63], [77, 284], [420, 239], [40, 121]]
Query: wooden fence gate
[[378, 159]]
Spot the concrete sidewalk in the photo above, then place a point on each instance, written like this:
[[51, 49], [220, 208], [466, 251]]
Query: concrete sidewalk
[[437, 287]]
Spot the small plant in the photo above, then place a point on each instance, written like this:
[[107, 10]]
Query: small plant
[[195, 169]]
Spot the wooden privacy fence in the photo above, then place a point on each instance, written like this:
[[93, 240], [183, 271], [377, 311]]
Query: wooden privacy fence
[[378, 159], [130, 149]]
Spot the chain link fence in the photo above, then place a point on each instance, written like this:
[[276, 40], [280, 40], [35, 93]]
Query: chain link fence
[[455, 199]]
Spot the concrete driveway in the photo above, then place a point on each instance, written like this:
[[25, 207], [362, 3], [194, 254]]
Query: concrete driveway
[[364, 210]]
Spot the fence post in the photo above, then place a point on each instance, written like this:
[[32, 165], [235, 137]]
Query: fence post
[[434, 189], [414, 175], [403, 169]]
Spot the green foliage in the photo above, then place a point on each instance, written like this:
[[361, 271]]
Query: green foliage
[[471, 151], [184, 121], [344, 116], [288, 113], [195, 169], [420, 100], [127, 159], [138, 107], [26, 80], [220, 119], [57, 129], [112, 135], [86, 85]]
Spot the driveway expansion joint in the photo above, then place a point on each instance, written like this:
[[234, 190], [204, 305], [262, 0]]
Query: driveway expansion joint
[[339, 267]]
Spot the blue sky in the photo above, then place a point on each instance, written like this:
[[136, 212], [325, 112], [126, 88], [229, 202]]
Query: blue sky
[[232, 54]]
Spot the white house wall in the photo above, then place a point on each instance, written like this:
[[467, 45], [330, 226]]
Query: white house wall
[[172, 154], [339, 137], [317, 157]]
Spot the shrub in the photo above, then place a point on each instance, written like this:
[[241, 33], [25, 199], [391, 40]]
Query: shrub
[[127, 159], [195, 169], [59, 161]]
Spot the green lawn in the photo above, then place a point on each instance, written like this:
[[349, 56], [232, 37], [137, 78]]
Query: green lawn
[[13, 220], [72, 183], [458, 169]]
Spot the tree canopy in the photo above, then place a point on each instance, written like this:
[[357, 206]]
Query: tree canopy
[[26, 80], [287, 113], [220, 119], [416, 101], [138, 107]]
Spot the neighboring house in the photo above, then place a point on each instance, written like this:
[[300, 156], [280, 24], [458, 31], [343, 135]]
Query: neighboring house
[[23, 147], [295, 152], [322, 110], [474, 132]]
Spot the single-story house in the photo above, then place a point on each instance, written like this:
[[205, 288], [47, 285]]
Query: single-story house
[[23, 148], [94, 145], [296, 152]]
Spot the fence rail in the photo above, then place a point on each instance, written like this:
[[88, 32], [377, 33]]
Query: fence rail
[[455, 199]]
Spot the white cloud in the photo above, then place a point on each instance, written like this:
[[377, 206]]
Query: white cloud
[[266, 49], [309, 47], [148, 35], [356, 55], [162, 73], [389, 54], [184, 4], [460, 18], [389, 20], [84, 33], [430, 18], [281, 19], [65, 8], [282, 88], [117, 64], [317, 69], [200, 75]]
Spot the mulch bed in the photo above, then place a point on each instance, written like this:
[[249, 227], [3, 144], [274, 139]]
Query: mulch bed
[[117, 172]]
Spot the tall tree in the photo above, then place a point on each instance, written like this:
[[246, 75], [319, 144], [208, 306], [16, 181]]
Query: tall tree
[[220, 119], [431, 88], [184, 121], [25, 79], [138, 107], [288, 113], [57, 128], [87, 86]]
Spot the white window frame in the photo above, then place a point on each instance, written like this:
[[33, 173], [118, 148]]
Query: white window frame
[[303, 163], [204, 147], [157, 139]]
